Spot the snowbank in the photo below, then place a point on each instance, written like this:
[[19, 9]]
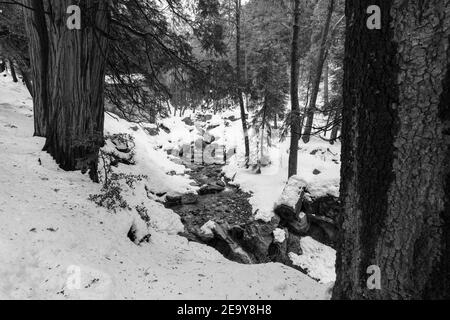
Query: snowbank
[[317, 259]]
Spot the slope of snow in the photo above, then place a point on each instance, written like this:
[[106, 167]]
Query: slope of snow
[[317, 259], [55, 244]]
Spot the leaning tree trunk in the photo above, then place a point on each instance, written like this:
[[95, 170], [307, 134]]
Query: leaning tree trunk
[[239, 82], [295, 107], [13, 70], [77, 63], [36, 30], [318, 69], [395, 185]]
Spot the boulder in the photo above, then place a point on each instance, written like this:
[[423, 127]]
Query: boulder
[[189, 198], [172, 201], [210, 189], [258, 237], [229, 247], [289, 205], [299, 226], [188, 121]]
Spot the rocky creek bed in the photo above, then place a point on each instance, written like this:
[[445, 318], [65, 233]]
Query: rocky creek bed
[[225, 210]]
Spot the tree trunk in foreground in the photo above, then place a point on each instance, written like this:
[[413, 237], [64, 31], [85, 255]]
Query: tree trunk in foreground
[[36, 30], [318, 69], [77, 67], [239, 82], [68, 79], [395, 182], [295, 108]]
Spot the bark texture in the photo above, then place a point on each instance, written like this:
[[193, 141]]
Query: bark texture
[[395, 152], [77, 66], [295, 108], [36, 29]]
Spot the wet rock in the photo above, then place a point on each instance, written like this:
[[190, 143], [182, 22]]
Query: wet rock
[[221, 183], [326, 206], [299, 226], [258, 237], [172, 200], [188, 121], [210, 189], [152, 131], [228, 246], [164, 128], [189, 198]]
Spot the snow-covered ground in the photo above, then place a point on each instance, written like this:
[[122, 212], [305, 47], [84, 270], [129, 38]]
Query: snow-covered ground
[[56, 244]]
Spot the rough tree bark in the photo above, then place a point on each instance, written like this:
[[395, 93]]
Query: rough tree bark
[[77, 66], [36, 29], [317, 75], [395, 184], [68, 79], [239, 82], [295, 108]]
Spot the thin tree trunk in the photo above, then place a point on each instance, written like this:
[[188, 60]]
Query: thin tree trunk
[[239, 82], [326, 95], [13, 70], [336, 127], [395, 174], [318, 74], [295, 108], [36, 30]]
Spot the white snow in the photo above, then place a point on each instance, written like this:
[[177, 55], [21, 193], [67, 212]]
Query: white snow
[[317, 259], [279, 235], [208, 227], [55, 244], [292, 192]]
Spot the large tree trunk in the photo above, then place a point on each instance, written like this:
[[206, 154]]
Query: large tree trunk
[[295, 108], [77, 66], [395, 184], [317, 75], [36, 29], [239, 82]]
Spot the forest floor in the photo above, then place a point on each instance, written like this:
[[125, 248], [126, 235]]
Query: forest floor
[[56, 244]]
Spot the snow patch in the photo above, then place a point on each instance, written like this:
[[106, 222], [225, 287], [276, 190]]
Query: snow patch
[[317, 259]]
